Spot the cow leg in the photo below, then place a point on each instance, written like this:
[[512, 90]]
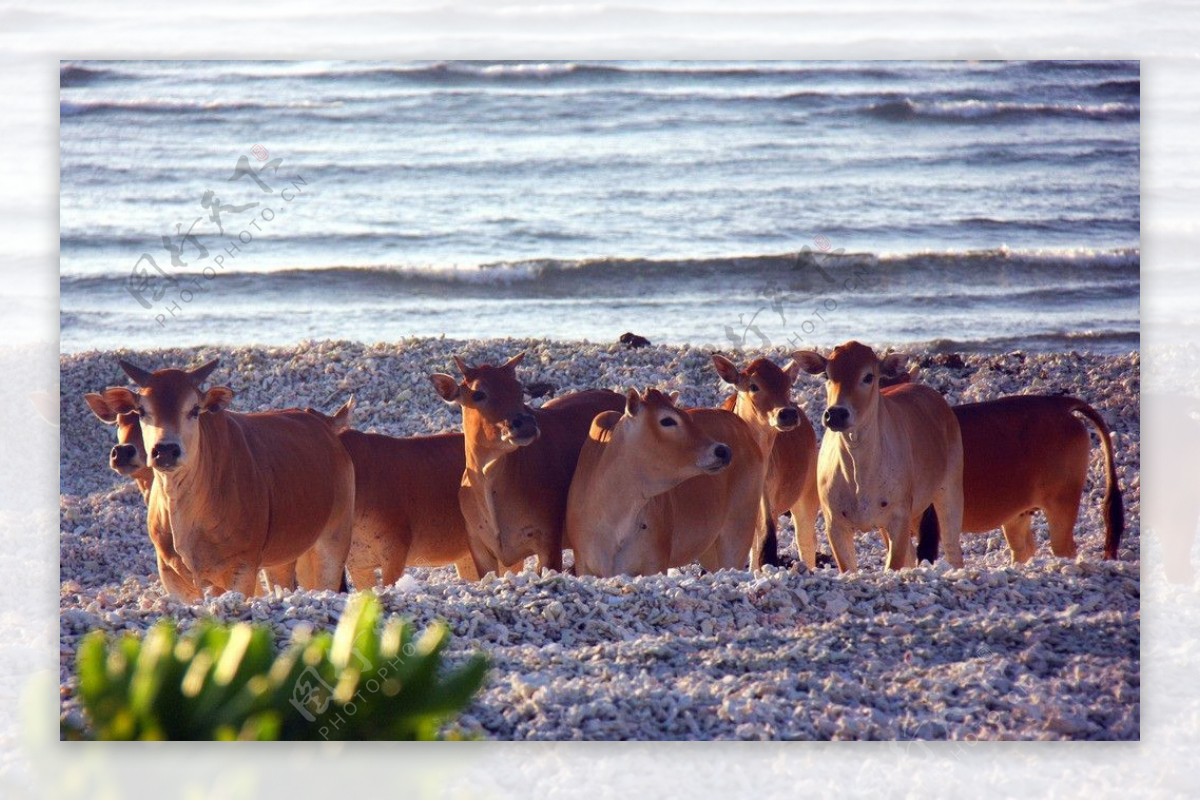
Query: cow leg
[[323, 566], [466, 568], [1019, 533], [363, 577], [175, 584], [841, 539], [898, 536], [948, 504], [1061, 514], [393, 567], [804, 519], [283, 576], [242, 579]]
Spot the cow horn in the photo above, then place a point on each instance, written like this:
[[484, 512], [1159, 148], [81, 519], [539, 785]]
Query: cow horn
[[136, 374], [204, 371]]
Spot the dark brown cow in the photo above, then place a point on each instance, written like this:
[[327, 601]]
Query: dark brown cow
[[519, 462]]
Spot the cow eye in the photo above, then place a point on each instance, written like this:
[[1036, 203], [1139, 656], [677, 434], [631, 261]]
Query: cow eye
[[479, 396], [868, 378], [195, 412], [754, 387], [667, 422]]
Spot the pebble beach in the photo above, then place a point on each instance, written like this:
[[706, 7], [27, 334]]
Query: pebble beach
[[1045, 650]]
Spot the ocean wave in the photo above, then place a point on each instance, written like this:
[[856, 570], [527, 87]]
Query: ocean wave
[[992, 111], [1086, 341], [71, 75], [77, 108], [561, 275]]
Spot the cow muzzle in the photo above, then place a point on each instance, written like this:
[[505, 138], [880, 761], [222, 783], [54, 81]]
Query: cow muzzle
[[787, 418], [836, 418], [166, 456], [520, 430], [124, 459], [717, 458]]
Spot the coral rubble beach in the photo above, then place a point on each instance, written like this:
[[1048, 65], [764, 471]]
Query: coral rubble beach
[[1046, 650]]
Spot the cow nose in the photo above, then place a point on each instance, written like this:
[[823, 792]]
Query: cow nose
[[722, 452], [523, 424], [165, 454], [123, 454], [788, 417], [836, 418]]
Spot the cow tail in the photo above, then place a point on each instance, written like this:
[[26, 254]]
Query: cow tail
[[1114, 507], [766, 547], [928, 534]]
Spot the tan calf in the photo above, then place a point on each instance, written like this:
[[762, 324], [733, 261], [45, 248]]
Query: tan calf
[[885, 457], [241, 491], [659, 487], [763, 399], [519, 462]]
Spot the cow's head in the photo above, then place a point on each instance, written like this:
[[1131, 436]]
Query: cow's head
[[852, 373], [493, 403], [169, 403], [764, 391], [670, 445], [128, 456]]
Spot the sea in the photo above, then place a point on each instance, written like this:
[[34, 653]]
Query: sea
[[936, 206]]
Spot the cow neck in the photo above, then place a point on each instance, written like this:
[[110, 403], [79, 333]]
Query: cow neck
[[619, 475], [200, 481], [764, 435], [144, 478], [863, 451], [481, 457]]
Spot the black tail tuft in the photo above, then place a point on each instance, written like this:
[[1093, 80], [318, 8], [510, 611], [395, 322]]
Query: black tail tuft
[[344, 586], [928, 535]]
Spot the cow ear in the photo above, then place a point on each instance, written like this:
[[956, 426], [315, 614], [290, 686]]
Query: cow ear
[[810, 361], [726, 369], [100, 408], [892, 365], [446, 386], [633, 403], [120, 400], [462, 366], [512, 363], [136, 374], [216, 399], [202, 372], [792, 370]]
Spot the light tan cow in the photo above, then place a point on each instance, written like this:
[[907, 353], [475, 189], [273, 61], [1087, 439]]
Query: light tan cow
[[886, 456], [659, 487], [241, 491], [406, 508], [519, 462], [763, 399]]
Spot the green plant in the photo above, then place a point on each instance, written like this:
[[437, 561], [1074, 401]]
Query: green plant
[[226, 682]]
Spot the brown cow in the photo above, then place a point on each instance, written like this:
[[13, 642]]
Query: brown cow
[[763, 399], [242, 491], [519, 462], [885, 457], [660, 487], [1030, 452], [406, 508], [128, 458]]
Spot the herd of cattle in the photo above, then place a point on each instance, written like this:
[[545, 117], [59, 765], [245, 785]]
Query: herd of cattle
[[633, 484]]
